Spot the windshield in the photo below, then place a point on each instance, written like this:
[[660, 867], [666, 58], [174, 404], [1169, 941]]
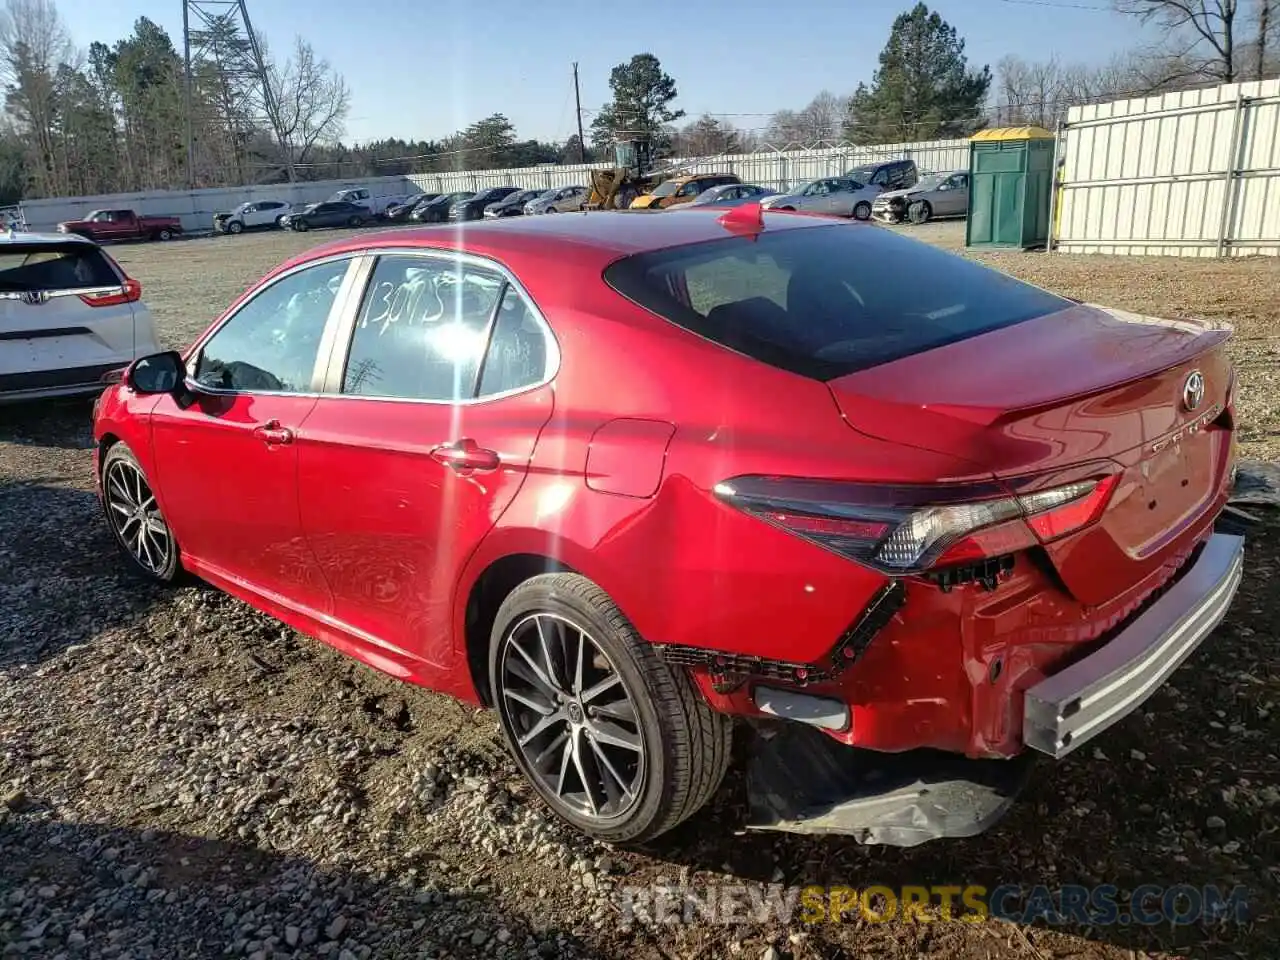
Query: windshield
[[826, 301], [930, 182], [667, 188]]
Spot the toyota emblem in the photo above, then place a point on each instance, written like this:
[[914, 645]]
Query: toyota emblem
[[1193, 390]]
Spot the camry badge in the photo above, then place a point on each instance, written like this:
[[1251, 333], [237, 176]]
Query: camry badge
[[1193, 390]]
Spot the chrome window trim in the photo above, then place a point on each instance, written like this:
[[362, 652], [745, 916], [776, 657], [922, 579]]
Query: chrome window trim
[[324, 351], [332, 386]]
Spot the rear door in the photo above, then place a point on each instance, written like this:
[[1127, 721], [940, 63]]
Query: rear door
[[420, 442], [66, 315]]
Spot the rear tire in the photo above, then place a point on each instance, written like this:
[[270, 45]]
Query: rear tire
[[164, 235], [134, 517], [919, 212], [584, 701], [862, 210]]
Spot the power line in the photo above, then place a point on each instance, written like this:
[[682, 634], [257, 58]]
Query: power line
[[1060, 4]]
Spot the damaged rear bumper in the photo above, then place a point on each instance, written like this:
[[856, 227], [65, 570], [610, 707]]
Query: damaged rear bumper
[[1069, 708]]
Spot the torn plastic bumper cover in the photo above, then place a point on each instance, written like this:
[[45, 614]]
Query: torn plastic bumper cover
[[799, 780]]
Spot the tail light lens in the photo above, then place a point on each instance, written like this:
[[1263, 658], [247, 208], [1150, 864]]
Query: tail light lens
[[901, 530], [130, 292]]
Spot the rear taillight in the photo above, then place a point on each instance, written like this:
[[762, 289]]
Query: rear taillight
[[899, 529], [130, 291]]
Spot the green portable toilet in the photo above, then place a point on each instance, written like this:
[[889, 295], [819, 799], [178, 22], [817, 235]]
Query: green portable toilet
[[1010, 183]]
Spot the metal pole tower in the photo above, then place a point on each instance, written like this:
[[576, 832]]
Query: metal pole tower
[[224, 65]]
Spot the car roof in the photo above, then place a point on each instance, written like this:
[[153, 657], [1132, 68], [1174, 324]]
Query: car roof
[[610, 234], [18, 236]]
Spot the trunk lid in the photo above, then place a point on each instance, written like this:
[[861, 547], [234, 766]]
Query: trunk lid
[[1059, 397]]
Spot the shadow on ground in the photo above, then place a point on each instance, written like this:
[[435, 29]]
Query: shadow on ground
[[97, 890], [62, 578], [57, 424]]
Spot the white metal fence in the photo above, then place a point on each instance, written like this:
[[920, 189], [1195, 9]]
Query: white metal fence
[[772, 168], [1192, 174]]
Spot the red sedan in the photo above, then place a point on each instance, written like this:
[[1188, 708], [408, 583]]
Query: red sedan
[[626, 479]]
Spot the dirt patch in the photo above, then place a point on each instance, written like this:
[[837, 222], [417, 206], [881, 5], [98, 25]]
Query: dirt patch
[[180, 776]]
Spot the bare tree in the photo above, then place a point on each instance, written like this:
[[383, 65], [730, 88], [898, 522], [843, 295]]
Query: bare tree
[[1211, 26], [34, 44], [308, 104], [821, 119], [1030, 92]]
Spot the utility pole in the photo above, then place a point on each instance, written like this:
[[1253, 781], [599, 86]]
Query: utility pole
[[186, 96], [577, 102], [1264, 23]]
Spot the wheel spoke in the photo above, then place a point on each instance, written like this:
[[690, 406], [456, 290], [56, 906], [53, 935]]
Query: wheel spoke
[[582, 656], [541, 727], [576, 738], [541, 709], [620, 790], [565, 756], [559, 740], [618, 710], [532, 674], [545, 645], [607, 683], [614, 735]]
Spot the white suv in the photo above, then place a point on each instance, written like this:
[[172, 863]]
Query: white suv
[[69, 317]]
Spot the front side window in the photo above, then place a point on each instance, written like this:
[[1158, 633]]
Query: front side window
[[422, 329], [271, 343], [825, 301]]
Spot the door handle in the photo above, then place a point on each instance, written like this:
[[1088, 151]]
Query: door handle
[[272, 434], [467, 455]]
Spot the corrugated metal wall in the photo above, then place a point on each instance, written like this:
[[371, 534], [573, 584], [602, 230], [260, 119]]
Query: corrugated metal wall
[[1193, 174], [772, 168]]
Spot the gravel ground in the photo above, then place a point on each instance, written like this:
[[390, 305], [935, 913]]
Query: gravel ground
[[183, 777]]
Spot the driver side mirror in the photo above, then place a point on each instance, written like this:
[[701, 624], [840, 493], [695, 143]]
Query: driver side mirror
[[157, 373]]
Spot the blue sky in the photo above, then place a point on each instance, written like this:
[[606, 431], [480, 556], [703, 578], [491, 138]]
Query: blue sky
[[425, 70]]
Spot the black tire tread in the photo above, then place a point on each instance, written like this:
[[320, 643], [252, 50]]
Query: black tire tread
[[700, 739]]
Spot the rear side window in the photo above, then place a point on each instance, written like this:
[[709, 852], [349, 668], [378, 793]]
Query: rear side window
[[70, 266], [825, 301]]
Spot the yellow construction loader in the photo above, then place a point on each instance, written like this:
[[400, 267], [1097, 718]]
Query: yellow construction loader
[[633, 173]]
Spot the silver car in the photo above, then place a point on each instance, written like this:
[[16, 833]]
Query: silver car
[[841, 196], [936, 195], [559, 200]]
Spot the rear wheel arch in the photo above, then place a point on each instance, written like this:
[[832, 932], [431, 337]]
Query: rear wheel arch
[[494, 584]]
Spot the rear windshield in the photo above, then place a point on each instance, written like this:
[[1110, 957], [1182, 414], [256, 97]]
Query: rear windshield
[[70, 266], [826, 301]]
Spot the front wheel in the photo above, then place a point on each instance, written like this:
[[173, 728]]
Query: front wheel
[[355, 222], [235, 226], [134, 516], [919, 212], [301, 226], [614, 740], [862, 210]]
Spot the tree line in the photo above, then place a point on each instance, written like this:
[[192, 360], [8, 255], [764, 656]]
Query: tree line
[[114, 118]]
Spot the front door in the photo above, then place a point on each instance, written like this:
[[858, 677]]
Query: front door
[[420, 447], [226, 464]]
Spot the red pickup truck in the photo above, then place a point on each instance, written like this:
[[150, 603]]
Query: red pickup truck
[[103, 225]]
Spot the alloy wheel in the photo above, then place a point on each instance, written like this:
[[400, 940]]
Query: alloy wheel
[[135, 516], [571, 717]]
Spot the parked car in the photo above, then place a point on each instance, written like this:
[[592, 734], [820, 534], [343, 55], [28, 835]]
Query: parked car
[[69, 316], [329, 213], [437, 210], [937, 195], [990, 509], [254, 215], [679, 190], [105, 225], [512, 205], [838, 196], [886, 174], [559, 200], [729, 195], [377, 205], [400, 212], [472, 207]]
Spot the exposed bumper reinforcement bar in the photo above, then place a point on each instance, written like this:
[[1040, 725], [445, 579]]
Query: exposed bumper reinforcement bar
[[1069, 708]]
